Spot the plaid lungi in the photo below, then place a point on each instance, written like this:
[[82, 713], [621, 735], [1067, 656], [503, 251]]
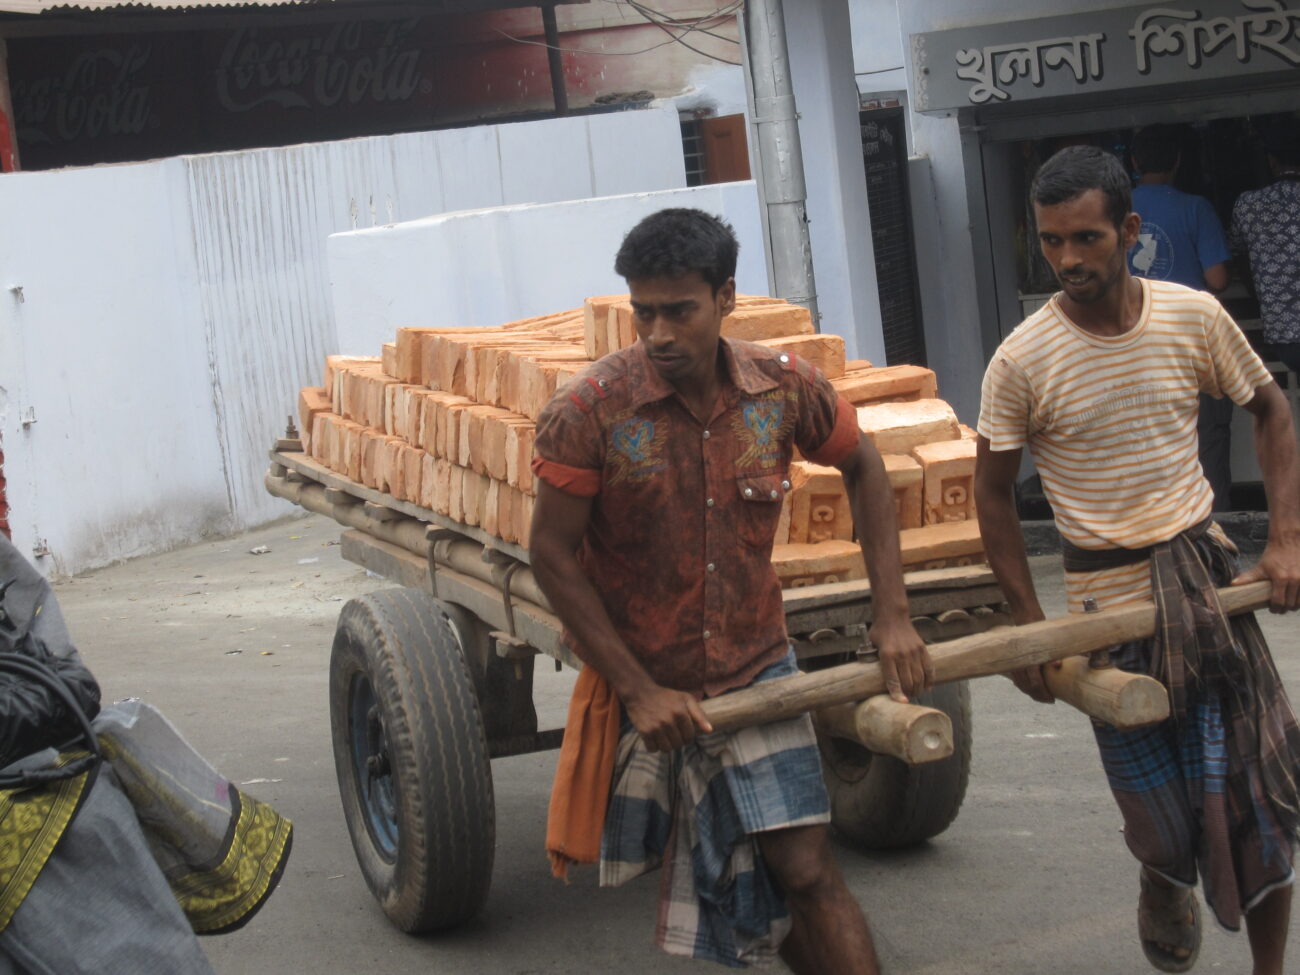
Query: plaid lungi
[[1213, 789], [695, 812], [1192, 804]]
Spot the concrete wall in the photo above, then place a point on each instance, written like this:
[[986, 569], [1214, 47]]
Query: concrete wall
[[943, 225], [105, 352], [172, 309], [821, 64], [941, 216], [877, 48], [497, 265]]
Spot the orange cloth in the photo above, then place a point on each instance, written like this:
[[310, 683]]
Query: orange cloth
[[580, 793]]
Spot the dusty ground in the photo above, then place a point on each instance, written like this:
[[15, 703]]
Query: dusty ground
[[1032, 878]]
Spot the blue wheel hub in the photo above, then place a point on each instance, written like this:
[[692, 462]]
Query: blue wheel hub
[[374, 775]]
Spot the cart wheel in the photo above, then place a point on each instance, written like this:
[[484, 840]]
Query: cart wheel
[[880, 802], [411, 760]]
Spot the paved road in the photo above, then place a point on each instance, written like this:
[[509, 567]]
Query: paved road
[[1032, 878]]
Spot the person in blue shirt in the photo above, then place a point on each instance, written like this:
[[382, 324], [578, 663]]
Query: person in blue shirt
[[1182, 240]]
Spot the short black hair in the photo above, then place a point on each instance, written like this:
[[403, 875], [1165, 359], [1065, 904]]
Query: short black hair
[[1156, 148], [1282, 139], [1074, 171], [677, 241]]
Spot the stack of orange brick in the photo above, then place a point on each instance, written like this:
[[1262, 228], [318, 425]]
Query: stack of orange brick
[[929, 459], [444, 419]]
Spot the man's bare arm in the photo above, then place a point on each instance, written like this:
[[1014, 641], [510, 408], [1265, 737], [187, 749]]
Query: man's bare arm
[[1217, 277], [1279, 460], [1004, 544], [904, 660], [666, 718]]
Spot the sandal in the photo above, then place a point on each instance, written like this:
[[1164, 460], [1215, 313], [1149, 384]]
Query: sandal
[[1163, 923]]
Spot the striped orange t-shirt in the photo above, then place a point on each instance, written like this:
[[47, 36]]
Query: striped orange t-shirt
[[1111, 422]]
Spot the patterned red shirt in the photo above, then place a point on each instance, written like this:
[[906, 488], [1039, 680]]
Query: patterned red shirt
[[679, 543]]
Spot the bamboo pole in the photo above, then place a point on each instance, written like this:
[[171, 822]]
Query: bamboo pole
[[993, 652]]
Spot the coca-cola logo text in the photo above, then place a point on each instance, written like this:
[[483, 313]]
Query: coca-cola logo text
[[328, 69], [99, 95]]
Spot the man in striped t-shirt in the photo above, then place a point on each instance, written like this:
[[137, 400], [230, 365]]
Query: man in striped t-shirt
[[1102, 385]]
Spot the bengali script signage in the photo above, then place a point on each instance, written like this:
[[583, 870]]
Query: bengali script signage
[[1104, 50]]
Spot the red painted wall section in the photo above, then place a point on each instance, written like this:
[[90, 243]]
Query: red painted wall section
[[8, 144], [4, 503], [496, 63]]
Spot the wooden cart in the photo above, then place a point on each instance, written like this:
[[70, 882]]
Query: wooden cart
[[430, 681]]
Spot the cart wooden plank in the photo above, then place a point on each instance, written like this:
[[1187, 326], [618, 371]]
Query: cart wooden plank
[[809, 609], [930, 591], [533, 625], [321, 474], [919, 604], [853, 590]]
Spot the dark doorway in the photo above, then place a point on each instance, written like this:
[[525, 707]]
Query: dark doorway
[[884, 156]]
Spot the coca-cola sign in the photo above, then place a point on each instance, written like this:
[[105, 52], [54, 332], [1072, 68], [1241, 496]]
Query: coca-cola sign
[[164, 92], [335, 65], [101, 93]]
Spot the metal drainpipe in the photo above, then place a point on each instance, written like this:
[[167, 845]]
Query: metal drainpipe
[[776, 129], [552, 32]]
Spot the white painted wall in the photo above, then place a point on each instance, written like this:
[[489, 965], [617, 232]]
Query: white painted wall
[[839, 223], [497, 265], [106, 351], [945, 263], [173, 308], [941, 213], [877, 46]]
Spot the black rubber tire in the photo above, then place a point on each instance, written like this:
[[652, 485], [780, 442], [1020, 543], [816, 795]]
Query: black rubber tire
[[881, 803], [424, 828]]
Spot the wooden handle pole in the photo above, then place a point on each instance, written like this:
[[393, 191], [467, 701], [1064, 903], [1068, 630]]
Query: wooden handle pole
[[909, 732], [993, 652], [1109, 694]]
